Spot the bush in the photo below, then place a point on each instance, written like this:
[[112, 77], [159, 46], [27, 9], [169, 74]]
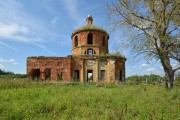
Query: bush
[[13, 76], [149, 79], [7, 74]]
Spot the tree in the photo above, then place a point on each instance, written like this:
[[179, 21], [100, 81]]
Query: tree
[[153, 30]]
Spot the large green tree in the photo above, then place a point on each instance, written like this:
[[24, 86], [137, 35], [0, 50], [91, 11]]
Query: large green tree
[[152, 29]]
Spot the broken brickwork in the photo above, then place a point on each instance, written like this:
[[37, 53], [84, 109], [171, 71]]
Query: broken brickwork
[[90, 60]]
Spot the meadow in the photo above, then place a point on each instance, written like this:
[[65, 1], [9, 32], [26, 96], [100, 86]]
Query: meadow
[[25, 99]]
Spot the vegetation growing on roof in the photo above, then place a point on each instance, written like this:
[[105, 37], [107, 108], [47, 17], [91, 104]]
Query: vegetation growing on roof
[[90, 27], [117, 55]]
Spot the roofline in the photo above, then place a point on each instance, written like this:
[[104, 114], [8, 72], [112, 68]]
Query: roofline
[[89, 30]]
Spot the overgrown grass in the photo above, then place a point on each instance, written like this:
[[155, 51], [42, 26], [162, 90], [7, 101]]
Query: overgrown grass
[[23, 99]]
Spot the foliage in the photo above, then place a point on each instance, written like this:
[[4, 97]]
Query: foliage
[[8, 74], [13, 76], [109, 55], [23, 99], [149, 79], [151, 29], [118, 55], [90, 27], [2, 72], [59, 78]]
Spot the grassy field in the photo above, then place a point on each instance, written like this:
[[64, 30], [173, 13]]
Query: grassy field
[[23, 99]]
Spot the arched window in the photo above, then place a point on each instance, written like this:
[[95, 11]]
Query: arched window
[[84, 52], [90, 39], [90, 51], [76, 41], [103, 41]]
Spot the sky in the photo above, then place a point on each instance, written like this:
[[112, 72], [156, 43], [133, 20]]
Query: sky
[[44, 28]]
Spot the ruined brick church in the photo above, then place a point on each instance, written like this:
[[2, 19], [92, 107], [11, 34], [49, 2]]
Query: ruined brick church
[[90, 59]]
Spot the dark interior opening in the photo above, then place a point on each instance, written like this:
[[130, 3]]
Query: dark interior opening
[[94, 52], [76, 41], [76, 75], [90, 38], [89, 75], [103, 42], [47, 74], [35, 73], [120, 75], [60, 76], [103, 74]]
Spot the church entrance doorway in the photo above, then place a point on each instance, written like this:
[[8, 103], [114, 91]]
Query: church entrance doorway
[[89, 75]]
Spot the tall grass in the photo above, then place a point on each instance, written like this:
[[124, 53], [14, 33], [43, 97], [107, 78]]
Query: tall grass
[[23, 99]]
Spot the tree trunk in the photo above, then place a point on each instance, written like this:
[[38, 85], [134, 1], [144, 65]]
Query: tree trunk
[[169, 73], [169, 79]]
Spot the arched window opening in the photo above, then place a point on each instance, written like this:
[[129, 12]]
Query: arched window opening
[[103, 41], [84, 52], [76, 41], [90, 38], [94, 52], [90, 51]]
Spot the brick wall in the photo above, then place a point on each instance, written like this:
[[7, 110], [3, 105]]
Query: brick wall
[[56, 65], [82, 42]]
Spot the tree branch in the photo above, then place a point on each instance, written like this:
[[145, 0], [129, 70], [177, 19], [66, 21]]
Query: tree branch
[[176, 69]]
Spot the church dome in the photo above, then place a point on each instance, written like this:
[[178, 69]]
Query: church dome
[[89, 27]]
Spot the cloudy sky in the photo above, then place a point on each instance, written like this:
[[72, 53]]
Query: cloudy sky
[[44, 27]]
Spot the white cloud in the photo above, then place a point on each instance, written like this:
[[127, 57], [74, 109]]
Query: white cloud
[[1, 66], [7, 61], [144, 64], [16, 25], [6, 30], [15, 63], [161, 67], [44, 48], [8, 46], [17, 33], [151, 69], [174, 66]]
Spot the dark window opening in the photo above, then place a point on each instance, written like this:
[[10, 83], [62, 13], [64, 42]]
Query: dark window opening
[[84, 52], [60, 76], [94, 52], [90, 51], [76, 41], [89, 75], [103, 74], [120, 75], [35, 73], [103, 42], [47, 74], [90, 38], [76, 75]]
